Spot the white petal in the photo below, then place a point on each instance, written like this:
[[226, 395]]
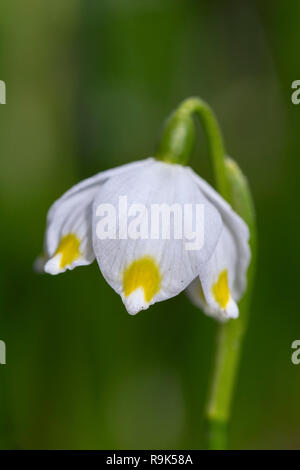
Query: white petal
[[68, 240], [238, 230], [147, 270], [214, 290]]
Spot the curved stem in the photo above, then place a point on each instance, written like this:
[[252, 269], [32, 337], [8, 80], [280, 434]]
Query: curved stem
[[175, 147], [232, 185], [230, 335], [216, 146]]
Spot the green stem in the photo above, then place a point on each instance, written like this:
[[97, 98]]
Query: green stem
[[232, 185], [175, 147], [215, 140], [230, 335]]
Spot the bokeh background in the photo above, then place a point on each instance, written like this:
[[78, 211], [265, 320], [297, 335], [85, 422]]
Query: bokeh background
[[89, 84]]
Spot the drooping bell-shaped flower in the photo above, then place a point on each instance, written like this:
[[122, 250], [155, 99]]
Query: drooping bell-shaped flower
[[149, 266], [156, 228]]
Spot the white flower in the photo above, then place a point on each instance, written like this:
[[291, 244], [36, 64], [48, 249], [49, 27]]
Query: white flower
[[145, 270]]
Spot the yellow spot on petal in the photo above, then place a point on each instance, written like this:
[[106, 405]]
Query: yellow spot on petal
[[221, 290], [142, 273], [69, 249]]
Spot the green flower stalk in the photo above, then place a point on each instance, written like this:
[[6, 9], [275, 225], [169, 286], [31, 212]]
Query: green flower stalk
[[175, 146], [230, 336]]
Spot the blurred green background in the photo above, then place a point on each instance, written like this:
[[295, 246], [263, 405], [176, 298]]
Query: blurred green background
[[89, 84]]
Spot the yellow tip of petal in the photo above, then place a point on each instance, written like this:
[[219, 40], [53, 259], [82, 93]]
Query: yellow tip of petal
[[142, 273], [220, 289], [68, 248]]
